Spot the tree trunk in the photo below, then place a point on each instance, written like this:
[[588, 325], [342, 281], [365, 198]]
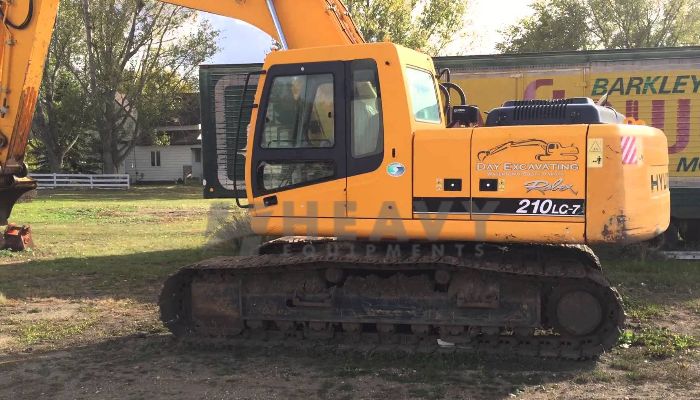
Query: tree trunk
[[107, 162], [43, 131], [55, 161], [107, 159]]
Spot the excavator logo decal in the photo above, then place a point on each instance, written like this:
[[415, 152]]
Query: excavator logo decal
[[551, 151]]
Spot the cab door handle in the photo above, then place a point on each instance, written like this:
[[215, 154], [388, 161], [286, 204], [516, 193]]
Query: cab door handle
[[270, 201]]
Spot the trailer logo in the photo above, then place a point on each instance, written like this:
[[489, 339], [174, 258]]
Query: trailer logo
[[544, 186], [550, 151]]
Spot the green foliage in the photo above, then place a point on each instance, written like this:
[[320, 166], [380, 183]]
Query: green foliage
[[116, 71], [426, 25], [604, 24], [555, 25], [659, 342], [161, 139]]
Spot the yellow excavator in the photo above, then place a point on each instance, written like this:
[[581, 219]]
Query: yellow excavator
[[400, 220]]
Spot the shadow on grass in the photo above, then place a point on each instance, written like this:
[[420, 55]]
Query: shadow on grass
[[137, 276], [145, 366]]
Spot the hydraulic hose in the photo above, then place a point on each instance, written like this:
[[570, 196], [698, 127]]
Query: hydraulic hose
[[27, 20]]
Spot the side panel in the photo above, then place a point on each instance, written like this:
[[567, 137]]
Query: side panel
[[441, 180], [529, 173]]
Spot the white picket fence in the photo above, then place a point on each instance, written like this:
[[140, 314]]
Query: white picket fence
[[88, 181]]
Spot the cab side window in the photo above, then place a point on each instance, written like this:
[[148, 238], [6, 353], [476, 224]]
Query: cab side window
[[366, 111]]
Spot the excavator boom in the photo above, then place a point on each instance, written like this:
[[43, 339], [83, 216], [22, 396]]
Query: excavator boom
[[288, 21]]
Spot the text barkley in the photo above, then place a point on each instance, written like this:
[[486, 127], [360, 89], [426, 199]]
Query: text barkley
[[638, 85]]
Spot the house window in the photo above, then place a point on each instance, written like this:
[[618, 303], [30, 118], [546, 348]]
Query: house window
[[155, 159], [197, 155]]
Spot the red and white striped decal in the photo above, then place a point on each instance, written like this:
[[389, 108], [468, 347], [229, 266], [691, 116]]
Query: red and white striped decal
[[629, 150]]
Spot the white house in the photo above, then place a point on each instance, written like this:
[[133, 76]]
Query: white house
[[179, 161]]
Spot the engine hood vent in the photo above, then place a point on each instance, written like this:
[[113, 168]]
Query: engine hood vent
[[577, 110]]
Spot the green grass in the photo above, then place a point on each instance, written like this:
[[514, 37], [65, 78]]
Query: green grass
[[47, 330], [595, 376], [110, 243], [693, 305], [33, 332], [642, 312], [652, 274]]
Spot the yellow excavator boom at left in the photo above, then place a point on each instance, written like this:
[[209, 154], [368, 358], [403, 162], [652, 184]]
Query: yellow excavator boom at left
[[25, 34]]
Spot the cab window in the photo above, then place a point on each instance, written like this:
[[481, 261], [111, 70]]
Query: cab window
[[424, 97], [300, 113]]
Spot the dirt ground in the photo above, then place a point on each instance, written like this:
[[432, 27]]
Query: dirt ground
[[78, 320], [156, 366]]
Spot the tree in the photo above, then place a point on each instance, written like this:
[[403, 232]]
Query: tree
[[139, 56], [60, 120], [555, 25], [604, 24], [427, 25]]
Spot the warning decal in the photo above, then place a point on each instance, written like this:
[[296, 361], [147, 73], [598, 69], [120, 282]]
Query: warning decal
[[630, 150], [595, 153]]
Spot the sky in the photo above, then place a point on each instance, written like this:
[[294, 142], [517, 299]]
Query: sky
[[241, 43]]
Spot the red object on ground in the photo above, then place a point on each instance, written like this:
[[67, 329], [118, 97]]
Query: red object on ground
[[17, 238]]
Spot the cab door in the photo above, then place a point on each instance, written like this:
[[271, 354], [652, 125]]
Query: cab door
[[299, 165]]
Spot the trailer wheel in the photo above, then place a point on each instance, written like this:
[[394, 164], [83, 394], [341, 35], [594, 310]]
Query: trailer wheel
[[691, 234], [671, 238]]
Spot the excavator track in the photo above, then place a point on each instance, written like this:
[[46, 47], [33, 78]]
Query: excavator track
[[534, 300]]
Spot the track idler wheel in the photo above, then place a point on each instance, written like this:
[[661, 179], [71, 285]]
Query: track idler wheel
[[586, 312]]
